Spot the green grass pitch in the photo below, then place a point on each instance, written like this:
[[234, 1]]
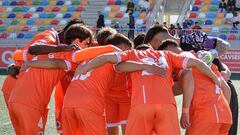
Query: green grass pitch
[[6, 127]]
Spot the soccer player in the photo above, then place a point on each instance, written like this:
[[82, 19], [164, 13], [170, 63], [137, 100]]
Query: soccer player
[[28, 101], [153, 106], [209, 111], [10, 81]]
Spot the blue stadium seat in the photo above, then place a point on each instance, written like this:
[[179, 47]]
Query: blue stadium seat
[[67, 15], [135, 14], [24, 9], [14, 3], [234, 30], [39, 9], [215, 2], [71, 9], [5, 3], [118, 2], [224, 37], [191, 22], [208, 22], [43, 15], [12, 15], [211, 15], [195, 8], [29, 36], [30, 22], [44, 3], [60, 3], [20, 35], [135, 2]]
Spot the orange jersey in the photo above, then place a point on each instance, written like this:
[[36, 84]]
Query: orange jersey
[[87, 91], [208, 104], [148, 88], [8, 84]]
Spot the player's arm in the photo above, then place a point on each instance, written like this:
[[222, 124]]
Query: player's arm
[[46, 49], [226, 90], [227, 73], [222, 46], [177, 88], [132, 66], [188, 90]]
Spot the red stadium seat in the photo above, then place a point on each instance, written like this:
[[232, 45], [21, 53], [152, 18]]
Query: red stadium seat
[[25, 28], [80, 9], [193, 15], [54, 22], [198, 2], [111, 2], [27, 15], [119, 15], [55, 9], [1, 22], [4, 35], [232, 37], [21, 3]]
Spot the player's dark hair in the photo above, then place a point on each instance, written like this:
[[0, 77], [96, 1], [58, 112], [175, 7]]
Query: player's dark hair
[[73, 21], [143, 47], [103, 34], [154, 30], [139, 39], [118, 39], [78, 31], [13, 70], [168, 43]]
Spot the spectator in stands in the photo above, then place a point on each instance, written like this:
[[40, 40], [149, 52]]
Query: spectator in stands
[[143, 5], [188, 29], [165, 24], [196, 27], [117, 27], [185, 24], [131, 25], [236, 20], [100, 21], [130, 6], [222, 6], [172, 30], [179, 30], [231, 6]]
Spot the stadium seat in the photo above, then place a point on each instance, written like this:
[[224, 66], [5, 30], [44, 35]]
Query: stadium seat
[[63, 22], [9, 9], [12, 35], [118, 2], [15, 22], [139, 22], [215, 2], [19, 15], [55, 9], [135, 14], [20, 35], [64, 9], [222, 36], [211, 15], [12, 15], [208, 22], [59, 15], [43, 15], [35, 15], [105, 14], [114, 22], [124, 3], [76, 2], [32, 9], [193, 15], [51, 15], [11, 28], [218, 22], [207, 2], [39, 22], [123, 9], [28, 3], [42, 28], [68, 3], [27, 15], [4, 35], [80, 9], [2, 8], [67, 15], [48, 9], [229, 15], [21, 3], [200, 21], [142, 15], [46, 22], [75, 15], [60, 3], [220, 15], [215, 29], [23, 22], [191, 22], [225, 30], [71, 9], [1, 22], [2, 28], [84, 2], [17, 9], [238, 37], [205, 29], [52, 3], [34, 28], [119, 15], [5, 3], [44, 3], [107, 9], [204, 9], [29, 36], [111, 15], [108, 22], [198, 2], [111, 2], [4, 15], [115, 8], [234, 30], [213, 9], [36, 3], [195, 8], [13, 3], [202, 15], [24, 9], [54, 22], [30, 22], [232, 37], [25, 28]]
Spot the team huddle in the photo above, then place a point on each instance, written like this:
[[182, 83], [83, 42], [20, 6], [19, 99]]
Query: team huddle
[[112, 81]]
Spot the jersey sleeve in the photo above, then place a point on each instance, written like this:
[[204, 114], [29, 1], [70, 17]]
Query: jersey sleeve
[[92, 52], [124, 56], [70, 66], [48, 37], [178, 61], [21, 55]]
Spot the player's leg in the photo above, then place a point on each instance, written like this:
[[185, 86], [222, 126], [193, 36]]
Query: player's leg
[[69, 122], [140, 120], [58, 97], [167, 119], [6, 98], [203, 129], [112, 116], [124, 109], [29, 120], [90, 122]]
